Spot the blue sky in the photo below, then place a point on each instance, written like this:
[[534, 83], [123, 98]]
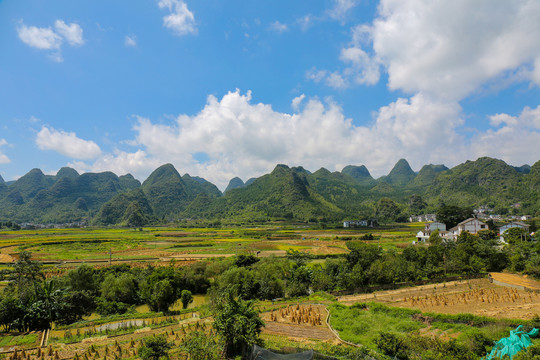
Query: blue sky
[[231, 88]]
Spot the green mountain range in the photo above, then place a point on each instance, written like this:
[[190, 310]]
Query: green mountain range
[[288, 193]]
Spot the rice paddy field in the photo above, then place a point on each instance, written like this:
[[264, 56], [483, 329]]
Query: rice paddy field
[[69, 247]]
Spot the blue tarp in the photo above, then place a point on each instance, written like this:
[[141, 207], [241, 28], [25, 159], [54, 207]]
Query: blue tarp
[[517, 341]]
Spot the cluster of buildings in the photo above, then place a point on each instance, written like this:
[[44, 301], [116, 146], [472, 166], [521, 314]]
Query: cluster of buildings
[[423, 218], [472, 225], [360, 223], [32, 226], [479, 213]]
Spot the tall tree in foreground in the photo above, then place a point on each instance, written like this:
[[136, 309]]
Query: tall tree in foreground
[[237, 322]]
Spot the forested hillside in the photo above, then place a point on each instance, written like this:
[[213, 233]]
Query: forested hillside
[[286, 193]]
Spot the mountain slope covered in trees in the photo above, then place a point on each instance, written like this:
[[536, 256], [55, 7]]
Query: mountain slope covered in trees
[[289, 193]]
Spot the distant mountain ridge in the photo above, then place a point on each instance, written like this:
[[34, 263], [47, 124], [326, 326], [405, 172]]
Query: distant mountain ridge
[[290, 193]]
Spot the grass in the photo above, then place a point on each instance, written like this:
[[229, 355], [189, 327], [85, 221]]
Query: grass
[[27, 339], [363, 322], [280, 343]]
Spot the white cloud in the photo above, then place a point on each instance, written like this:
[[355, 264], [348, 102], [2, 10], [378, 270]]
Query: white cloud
[[180, 20], [39, 38], [341, 8], [297, 101], [498, 119], [73, 33], [517, 142], [278, 27], [67, 144], [316, 75], [452, 48], [336, 80], [305, 22], [449, 49], [3, 158], [361, 68], [130, 41], [245, 139], [120, 162], [48, 39]]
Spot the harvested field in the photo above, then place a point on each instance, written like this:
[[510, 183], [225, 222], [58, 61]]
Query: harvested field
[[478, 297], [298, 331], [516, 281], [301, 321]]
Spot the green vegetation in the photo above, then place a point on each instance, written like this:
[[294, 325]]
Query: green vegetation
[[155, 348], [38, 295], [285, 194], [404, 333], [237, 322]]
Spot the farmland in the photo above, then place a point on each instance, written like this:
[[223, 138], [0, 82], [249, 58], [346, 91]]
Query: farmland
[[477, 296], [128, 266], [73, 246]]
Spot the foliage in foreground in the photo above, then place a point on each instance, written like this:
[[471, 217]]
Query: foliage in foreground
[[200, 346], [155, 348], [237, 322], [395, 332]]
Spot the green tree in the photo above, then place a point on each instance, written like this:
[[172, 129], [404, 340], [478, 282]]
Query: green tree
[[199, 346], [122, 288], [83, 278], [299, 281], [363, 254], [416, 204], [11, 312], [155, 348], [237, 322], [387, 210], [452, 215], [391, 345], [162, 296], [27, 276], [515, 235], [245, 260], [298, 257], [134, 216], [186, 298]]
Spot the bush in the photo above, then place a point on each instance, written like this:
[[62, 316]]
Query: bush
[[105, 307], [391, 345], [155, 348]]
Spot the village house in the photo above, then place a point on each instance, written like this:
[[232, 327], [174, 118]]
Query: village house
[[510, 225], [421, 218], [429, 228], [360, 223], [471, 225]]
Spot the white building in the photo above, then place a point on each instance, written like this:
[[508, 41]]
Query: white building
[[425, 217], [429, 228], [510, 225], [471, 225], [513, 224]]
